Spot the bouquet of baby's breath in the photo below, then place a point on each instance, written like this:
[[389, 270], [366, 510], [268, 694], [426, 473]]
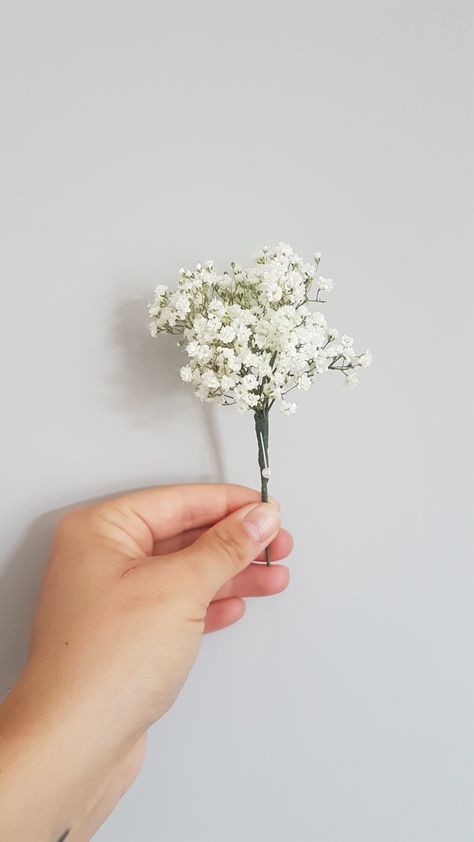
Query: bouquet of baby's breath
[[251, 337]]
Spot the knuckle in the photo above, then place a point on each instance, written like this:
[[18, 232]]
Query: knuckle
[[228, 547], [70, 522]]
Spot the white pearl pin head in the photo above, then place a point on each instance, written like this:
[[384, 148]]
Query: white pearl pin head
[[266, 473]]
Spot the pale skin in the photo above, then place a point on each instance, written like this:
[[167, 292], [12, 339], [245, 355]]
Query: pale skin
[[131, 586]]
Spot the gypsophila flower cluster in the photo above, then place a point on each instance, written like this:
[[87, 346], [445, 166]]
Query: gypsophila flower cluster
[[250, 335]]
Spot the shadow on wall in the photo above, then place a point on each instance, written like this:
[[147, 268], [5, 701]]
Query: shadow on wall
[[150, 392], [20, 584], [145, 382], [19, 587]]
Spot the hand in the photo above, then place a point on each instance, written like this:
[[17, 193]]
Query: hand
[[131, 586]]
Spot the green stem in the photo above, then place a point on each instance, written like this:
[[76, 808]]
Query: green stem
[[261, 429]]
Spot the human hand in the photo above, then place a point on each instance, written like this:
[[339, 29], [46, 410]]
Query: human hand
[[131, 585]]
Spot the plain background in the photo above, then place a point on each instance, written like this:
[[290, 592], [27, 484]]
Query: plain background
[[140, 136]]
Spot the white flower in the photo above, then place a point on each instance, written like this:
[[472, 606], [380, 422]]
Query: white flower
[[242, 406], [304, 382], [250, 381], [365, 359], [192, 349], [288, 408], [318, 319], [227, 334], [186, 373], [324, 283], [216, 307], [226, 282], [203, 353], [250, 334], [251, 398], [321, 362], [351, 381], [227, 382], [181, 305], [210, 379]]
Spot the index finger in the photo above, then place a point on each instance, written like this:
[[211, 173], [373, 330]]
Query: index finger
[[168, 510]]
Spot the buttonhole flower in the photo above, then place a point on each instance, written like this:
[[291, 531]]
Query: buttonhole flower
[[253, 335]]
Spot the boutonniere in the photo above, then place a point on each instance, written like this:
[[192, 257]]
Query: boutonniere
[[254, 335]]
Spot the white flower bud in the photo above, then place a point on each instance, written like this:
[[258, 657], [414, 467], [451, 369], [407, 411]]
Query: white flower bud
[[186, 373], [351, 381], [365, 359]]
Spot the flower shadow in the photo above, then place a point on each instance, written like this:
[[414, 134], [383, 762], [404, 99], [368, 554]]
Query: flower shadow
[[20, 584], [145, 382], [144, 385]]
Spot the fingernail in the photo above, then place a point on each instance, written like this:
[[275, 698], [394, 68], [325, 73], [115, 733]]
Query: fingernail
[[261, 522]]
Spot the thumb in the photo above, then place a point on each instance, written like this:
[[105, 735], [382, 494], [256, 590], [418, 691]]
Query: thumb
[[231, 544]]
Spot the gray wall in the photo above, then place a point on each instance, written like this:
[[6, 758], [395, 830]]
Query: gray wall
[[140, 136]]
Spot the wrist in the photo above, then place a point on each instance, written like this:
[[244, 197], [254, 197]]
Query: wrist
[[52, 768]]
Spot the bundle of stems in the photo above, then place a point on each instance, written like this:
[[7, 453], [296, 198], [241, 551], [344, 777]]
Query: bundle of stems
[[261, 429]]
